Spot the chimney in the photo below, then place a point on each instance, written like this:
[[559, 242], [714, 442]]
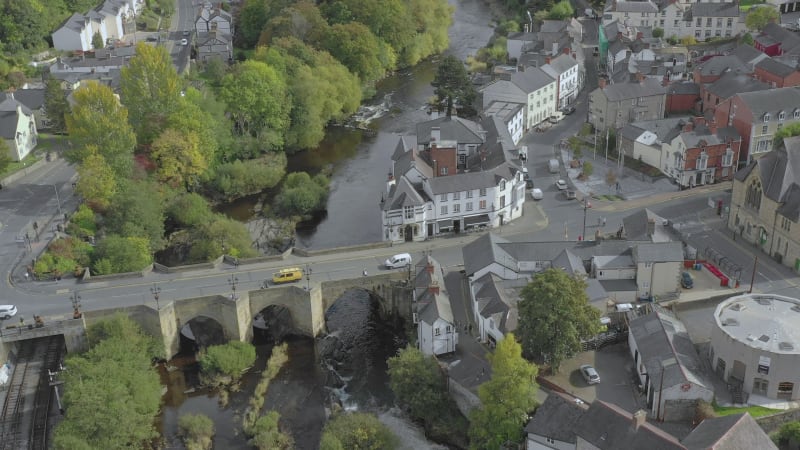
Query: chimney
[[547, 60], [601, 82], [429, 268], [436, 134], [640, 77], [651, 227], [688, 127], [574, 56], [434, 288], [639, 418], [565, 50]]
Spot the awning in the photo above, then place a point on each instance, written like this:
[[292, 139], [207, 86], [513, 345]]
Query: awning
[[476, 220], [445, 224]]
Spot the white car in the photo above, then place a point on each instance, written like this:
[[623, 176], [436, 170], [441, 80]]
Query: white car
[[589, 374], [7, 311], [184, 42], [561, 185], [536, 194]]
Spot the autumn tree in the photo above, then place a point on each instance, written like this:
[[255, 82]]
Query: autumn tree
[[452, 84], [554, 316], [97, 183], [257, 98], [506, 399], [758, 17], [178, 157], [98, 119], [55, 103], [151, 90]]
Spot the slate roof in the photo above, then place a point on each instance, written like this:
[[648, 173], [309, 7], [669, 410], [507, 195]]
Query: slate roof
[[463, 182], [76, 22], [660, 127], [775, 67], [748, 54], [451, 129], [553, 26], [635, 226], [560, 64], [497, 303], [626, 91], [32, 98], [771, 101], [667, 351], [622, 261], [521, 36], [672, 252], [733, 432], [609, 427], [720, 64], [531, 79], [411, 160], [790, 42], [683, 88], [556, 418], [504, 110], [569, 262], [731, 83], [715, 10], [9, 117], [431, 306], [403, 194], [633, 7], [402, 147], [484, 251]]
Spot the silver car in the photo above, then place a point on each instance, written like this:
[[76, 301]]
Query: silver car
[[589, 374], [7, 311]]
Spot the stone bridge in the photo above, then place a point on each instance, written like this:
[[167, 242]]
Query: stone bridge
[[306, 307]]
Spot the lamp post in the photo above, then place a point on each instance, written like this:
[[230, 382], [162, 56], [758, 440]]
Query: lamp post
[[75, 298], [232, 282], [58, 199], [156, 291], [308, 278], [586, 205]]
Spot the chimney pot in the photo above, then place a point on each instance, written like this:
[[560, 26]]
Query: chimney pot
[[547, 60]]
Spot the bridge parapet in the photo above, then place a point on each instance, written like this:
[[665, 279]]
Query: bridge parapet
[[74, 331]]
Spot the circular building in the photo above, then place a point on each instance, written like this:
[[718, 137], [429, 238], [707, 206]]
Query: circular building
[[755, 345]]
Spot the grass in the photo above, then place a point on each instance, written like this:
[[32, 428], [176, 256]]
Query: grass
[[16, 166], [755, 411], [610, 198]]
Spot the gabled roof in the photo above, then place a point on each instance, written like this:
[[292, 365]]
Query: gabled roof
[[402, 147], [715, 9], [402, 194], [32, 98], [775, 67], [560, 64], [411, 160], [635, 226], [662, 128], [733, 432], [553, 26], [484, 251], [683, 88], [569, 262], [789, 41], [9, 117], [633, 7], [497, 300], [451, 128], [463, 182], [609, 427], [667, 351], [431, 305], [771, 101], [521, 36], [556, 418], [628, 90], [731, 83], [531, 79], [779, 171], [748, 54], [672, 252], [724, 63]]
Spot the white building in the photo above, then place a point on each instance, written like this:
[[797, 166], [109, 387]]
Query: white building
[[531, 87], [755, 345], [17, 127], [565, 69], [512, 115], [111, 19], [436, 330], [213, 19]]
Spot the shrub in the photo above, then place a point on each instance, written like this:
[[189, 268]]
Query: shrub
[[229, 359], [197, 431], [357, 430]]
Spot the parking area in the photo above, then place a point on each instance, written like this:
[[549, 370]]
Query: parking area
[[615, 367]]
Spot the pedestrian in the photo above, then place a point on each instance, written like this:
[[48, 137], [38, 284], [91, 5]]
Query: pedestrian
[[365, 272], [599, 221], [604, 221]]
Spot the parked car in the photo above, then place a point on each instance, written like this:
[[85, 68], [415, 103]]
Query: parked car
[[398, 261], [561, 185], [686, 280], [536, 194], [186, 32], [568, 110], [151, 39], [570, 194], [557, 116], [7, 311], [589, 374], [184, 42]]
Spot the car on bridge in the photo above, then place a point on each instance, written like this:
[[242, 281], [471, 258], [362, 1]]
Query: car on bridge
[[287, 275]]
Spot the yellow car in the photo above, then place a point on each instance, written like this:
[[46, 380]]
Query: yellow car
[[287, 275]]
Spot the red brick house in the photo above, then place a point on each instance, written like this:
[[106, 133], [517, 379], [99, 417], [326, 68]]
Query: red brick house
[[774, 40], [682, 97], [698, 153], [728, 85], [776, 74]]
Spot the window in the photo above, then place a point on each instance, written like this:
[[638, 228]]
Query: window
[[456, 208], [677, 23], [443, 198], [551, 441], [719, 22], [730, 23], [502, 201], [752, 196], [796, 114], [727, 159], [482, 204], [502, 185], [717, 33], [469, 194], [437, 331], [728, 33], [765, 129], [661, 22], [448, 329], [762, 146], [781, 116], [708, 21], [702, 161], [786, 224], [409, 212], [444, 210], [697, 34], [469, 206], [663, 12], [443, 171], [766, 117], [699, 22], [707, 33], [456, 196], [483, 192]]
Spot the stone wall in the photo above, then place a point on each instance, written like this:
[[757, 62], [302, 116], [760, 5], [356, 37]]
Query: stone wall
[[464, 398], [774, 422], [387, 285], [679, 410]]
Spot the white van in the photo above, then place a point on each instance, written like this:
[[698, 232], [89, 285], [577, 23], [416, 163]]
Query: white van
[[398, 261], [553, 166], [556, 117]]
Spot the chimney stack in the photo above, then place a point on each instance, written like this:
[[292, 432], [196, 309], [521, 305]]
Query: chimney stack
[[640, 77], [651, 227], [712, 127], [547, 60], [639, 418], [639, 35], [434, 288], [565, 50], [429, 268]]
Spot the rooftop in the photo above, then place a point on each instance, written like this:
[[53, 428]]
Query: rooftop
[[766, 322]]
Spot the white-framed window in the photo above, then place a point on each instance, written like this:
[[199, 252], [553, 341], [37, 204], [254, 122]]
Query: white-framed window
[[702, 161], [482, 192], [502, 201], [456, 196], [719, 22], [730, 22], [677, 23], [409, 212], [469, 206], [469, 194], [502, 185], [697, 34], [781, 116], [444, 210], [443, 171], [708, 21], [708, 33], [717, 33], [766, 117], [699, 22], [727, 158], [727, 33], [482, 204], [437, 331], [764, 129], [456, 208], [443, 198]]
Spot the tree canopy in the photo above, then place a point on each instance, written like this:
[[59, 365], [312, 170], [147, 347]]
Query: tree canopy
[[561, 11], [506, 399], [97, 182], [758, 17], [55, 103], [357, 431], [417, 383], [452, 83], [792, 129], [301, 194], [554, 315]]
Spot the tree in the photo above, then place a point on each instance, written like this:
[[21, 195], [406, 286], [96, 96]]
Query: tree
[[189, 210], [554, 315], [588, 169], [757, 18], [747, 39], [506, 399], [561, 11], [201, 114], [197, 431], [789, 432], [178, 157], [611, 177], [114, 392], [256, 95], [151, 90], [792, 129], [97, 40], [452, 83], [219, 235], [229, 359], [658, 32], [97, 183], [238, 179], [267, 434], [98, 119], [119, 254], [301, 194], [417, 383], [688, 40], [357, 431], [138, 212], [359, 50], [55, 104]]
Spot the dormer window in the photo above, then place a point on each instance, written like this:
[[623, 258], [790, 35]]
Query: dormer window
[[797, 113], [781, 115], [503, 185], [766, 117]]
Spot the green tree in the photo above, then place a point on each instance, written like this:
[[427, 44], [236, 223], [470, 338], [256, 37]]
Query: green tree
[[256, 95], [151, 90], [189, 210], [121, 255], [114, 392], [792, 129], [747, 39], [561, 11], [302, 20], [757, 18], [588, 169], [98, 119], [452, 84], [417, 383], [506, 399], [229, 359], [97, 182], [658, 32], [220, 235], [267, 434], [178, 157], [214, 70], [357, 431], [789, 432], [238, 179], [688, 40], [301, 194], [138, 212], [97, 40], [359, 50], [197, 431], [202, 115], [554, 315], [55, 103]]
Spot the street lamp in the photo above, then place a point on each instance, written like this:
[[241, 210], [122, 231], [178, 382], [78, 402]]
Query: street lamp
[[156, 290], [58, 199], [75, 298], [586, 205], [232, 282], [308, 278]]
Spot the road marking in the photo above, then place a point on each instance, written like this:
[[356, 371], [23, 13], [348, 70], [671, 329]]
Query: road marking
[[62, 291]]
